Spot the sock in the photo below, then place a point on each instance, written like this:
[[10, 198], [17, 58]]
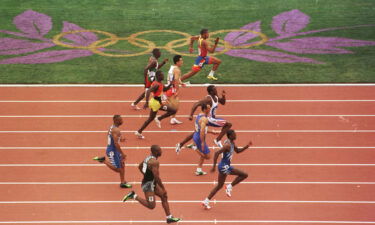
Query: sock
[[170, 216], [135, 196], [199, 169], [211, 73], [207, 200], [229, 186]]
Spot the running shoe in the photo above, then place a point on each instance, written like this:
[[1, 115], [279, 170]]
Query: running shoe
[[175, 121], [191, 146], [228, 190], [218, 143], [135, 107], [125, 185], [173, 220], [129, 196], [200, 173], [210, 77], [206, 204], [139, 135], [157, 121], [99, 159], [178, 148]]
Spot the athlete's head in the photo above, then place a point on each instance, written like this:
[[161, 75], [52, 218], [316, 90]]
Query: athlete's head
[[204, 33], [156, 150], [211, 90], [117, 120], [177, 60], [205, 108], [231, 134], [156, 53], [159, 75]]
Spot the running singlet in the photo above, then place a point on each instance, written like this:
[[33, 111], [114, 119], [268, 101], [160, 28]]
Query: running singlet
[[111, 142], [159, 91], [214, 106], [201, 52], [152, 72], [198, 126], [227, 156], [147, 173], [171, 75]]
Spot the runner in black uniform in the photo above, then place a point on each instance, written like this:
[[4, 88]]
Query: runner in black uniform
[[152, 185]]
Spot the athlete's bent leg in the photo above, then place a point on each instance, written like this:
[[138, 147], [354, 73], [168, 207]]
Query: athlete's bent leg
[[220, 183], [148, 121], [149, 202], [240, 176], [170, 111], [216, 62], [189, 74], [162, 193], [224, 130], [139, 98]]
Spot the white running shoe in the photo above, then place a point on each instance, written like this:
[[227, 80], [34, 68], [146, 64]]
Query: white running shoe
[[218, 143], [200, 173], [206, 204], [228, 190], [139, 135], [175, 121], [135, 107], [157, 121], [178, 148]]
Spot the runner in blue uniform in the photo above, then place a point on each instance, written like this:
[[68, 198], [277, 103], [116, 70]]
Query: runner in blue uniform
[[116, 157], [225, 168]]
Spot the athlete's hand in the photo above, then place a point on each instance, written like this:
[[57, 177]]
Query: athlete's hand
[[223, 93], [191, 117], [213, 169], [191, 50], [217, 40], [122, 139], [145, 106], [165, 61], [250, 143]]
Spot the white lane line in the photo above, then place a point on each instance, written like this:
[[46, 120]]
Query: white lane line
[[194, 85], [188, 101], [215, 221], [188, 131], [191, 201], [193, 183], [146, 116], [184, 165], [148, 147]]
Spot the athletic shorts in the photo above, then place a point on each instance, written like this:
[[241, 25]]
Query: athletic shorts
[[200, 62], [154, 105], [149, 186], [225, 168], [216, 122], [198, 142], [114, 157]]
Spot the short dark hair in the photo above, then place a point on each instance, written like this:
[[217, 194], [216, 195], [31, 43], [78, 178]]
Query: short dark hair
[[115, 117], [210, 88], [203, 31], [230, 132], [154, 148], [204, 106], [158, 73], [155, 50], [176, 58]]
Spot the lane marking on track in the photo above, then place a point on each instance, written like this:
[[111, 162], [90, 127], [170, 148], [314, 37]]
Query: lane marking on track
[[184, 165], [190, 201], [192, 85], [188, 131], [182, 116], [148, 147], [215, 221], [192, 182], [187, 101]]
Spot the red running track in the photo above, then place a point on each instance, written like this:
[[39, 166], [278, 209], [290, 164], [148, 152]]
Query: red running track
[[312, 161]]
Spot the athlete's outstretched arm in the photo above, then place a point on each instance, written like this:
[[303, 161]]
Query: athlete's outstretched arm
[[155, 171], [222, 100], [192, 39], [163, 63], [211, 49], [116, 134], [239, 150], [196, 105], [153, 88], [225, 148]]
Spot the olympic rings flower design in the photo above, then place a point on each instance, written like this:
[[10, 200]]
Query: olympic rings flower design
[[81, 42]]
